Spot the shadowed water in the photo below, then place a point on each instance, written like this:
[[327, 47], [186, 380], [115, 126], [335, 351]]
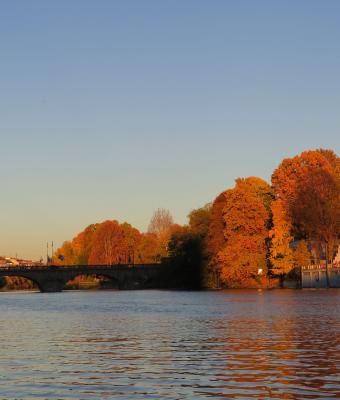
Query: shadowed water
[[170, 345]]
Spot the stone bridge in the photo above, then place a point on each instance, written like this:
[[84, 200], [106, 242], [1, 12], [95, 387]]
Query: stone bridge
[[53, 278]]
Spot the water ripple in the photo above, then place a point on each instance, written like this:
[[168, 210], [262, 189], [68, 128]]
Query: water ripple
[[170, 345]]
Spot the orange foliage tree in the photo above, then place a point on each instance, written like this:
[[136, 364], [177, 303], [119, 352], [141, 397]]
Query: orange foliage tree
[[109, 246], [315, 208], [301, 254], [281, 254], [246, 229], [214, 242], [308, 186], [291, 171], [235, 245], [65, 255], [246, 219], [82, 244], [132, 238], [147, 251], [109, 243]]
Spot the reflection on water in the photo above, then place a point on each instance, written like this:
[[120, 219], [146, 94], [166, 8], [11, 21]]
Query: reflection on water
[[173, 345]]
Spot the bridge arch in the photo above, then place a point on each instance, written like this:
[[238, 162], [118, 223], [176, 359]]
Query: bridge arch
[[27, 282], [88, 280]]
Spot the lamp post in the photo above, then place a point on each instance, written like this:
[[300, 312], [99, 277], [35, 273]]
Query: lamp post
[[49, 260], [47, 255]]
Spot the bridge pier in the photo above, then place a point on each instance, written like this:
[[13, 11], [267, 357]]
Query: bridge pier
[[51, 286]]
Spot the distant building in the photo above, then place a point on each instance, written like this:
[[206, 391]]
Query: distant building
[[337, 257], [317, 251], [6, 262]]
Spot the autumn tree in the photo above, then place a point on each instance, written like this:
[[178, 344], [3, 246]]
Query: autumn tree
[[147, 250], [110, 242], [301, 254], [214, 242], [292, 170], [109, 245], [285, 180], [236, 242], [315, 208], [308, 185], [281, 254], [132, 238], [260, 188], [246, 220], [65, 255], [331, 157], [82, 244]]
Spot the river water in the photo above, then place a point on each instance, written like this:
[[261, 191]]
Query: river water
[[280, 344]]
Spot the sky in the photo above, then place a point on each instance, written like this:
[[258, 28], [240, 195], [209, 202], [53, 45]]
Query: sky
[[112, 109]]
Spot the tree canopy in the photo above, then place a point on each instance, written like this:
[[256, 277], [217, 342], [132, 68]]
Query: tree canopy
[[248, 231]]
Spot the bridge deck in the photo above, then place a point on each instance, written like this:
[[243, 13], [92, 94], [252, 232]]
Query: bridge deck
[[78, 267]]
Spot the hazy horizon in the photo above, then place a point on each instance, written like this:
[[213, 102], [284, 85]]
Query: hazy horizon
[[109, 110]]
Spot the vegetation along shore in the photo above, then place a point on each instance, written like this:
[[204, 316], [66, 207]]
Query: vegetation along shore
[[255, 234]]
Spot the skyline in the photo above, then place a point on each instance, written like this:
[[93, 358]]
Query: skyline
[[111, 112]]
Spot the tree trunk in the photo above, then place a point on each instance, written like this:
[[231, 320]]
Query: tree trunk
[[327, 272], [281, 280]]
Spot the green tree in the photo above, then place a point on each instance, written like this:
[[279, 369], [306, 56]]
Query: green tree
[[199, 220], [185, 258]]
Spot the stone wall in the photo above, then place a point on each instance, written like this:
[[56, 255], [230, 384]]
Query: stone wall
[[315, 276]]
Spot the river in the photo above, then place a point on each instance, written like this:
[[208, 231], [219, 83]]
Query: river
[[279, 344]]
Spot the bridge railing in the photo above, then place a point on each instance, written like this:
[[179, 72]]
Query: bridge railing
[[80, 267], [321, 266]]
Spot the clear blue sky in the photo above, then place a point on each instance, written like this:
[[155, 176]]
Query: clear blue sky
[[110, 109]]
